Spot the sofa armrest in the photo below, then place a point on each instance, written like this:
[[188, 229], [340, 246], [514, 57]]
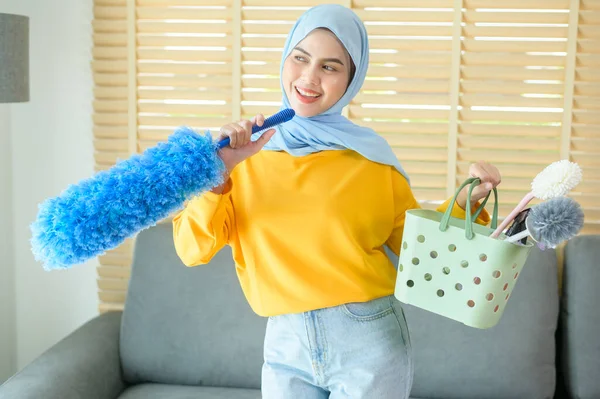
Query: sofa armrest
[[84, 365]]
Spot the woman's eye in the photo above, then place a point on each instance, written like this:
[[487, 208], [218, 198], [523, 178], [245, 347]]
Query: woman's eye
[[329, 68], [300, 58]]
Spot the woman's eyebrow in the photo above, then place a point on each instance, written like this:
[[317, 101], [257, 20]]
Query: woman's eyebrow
[[336, 60]]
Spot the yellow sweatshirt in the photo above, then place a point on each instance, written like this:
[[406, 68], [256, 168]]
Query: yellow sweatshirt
[[306, 232]]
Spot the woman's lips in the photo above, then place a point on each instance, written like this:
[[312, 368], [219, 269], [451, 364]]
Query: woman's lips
[[306, 99]]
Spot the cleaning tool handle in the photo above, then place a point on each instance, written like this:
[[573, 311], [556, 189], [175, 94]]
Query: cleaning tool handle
[[518, 236], [280, 117]]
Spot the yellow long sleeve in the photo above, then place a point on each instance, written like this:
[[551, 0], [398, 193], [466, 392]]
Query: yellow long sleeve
[[306, 232], [204, 227]]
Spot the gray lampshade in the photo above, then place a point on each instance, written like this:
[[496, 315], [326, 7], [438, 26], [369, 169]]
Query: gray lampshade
[[14, 58]]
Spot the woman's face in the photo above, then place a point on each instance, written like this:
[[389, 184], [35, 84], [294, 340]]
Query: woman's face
[[316, 73]]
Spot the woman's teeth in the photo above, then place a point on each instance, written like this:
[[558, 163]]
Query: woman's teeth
[[307, 94]]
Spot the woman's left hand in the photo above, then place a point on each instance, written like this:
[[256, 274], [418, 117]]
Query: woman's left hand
[[490, 178]]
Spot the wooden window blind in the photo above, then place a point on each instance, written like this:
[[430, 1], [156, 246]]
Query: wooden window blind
[[450, 82]]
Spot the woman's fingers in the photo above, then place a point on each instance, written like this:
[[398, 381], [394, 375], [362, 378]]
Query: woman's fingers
[[258, 120]]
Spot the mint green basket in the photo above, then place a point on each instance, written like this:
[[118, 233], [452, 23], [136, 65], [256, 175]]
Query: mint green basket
[[452, 267]]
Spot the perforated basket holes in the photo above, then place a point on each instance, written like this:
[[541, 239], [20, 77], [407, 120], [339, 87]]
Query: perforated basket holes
[[458, 287], [404, 245], [421, 238], [410, 283], [440, 293], [482, 257], [505, 287], [476, 281], [496, 308], [471, 303], [489, 297], [433, 254], [428, 277], [452, 248], [496, 274], [446, 270], [415, 261], [464, 264], [400, 268]]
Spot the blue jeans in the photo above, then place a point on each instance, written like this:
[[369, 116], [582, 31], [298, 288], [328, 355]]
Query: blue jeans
[[356, 350]]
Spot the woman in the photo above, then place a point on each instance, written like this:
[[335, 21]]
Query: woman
[[308, 209]]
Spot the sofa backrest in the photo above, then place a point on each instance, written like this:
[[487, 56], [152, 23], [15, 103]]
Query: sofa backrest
[[193, 326], [189, 326]]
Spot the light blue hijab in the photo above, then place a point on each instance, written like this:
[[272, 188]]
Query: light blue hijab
[[330, 130]]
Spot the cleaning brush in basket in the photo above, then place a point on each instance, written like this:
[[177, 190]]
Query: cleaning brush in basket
[[552, 222], [556, 180]]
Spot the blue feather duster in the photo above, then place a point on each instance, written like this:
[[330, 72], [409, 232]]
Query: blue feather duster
[[99, 213]]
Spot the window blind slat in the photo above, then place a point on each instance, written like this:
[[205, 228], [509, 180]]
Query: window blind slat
[[518, 4], [404, 16], [183, 94], [110, 39], [182, 27], [198, 41], [509, 101], [199, 123], [538, 17], [181, 80], [182, 3], [504, 130], [109, 66], [386, 113], [533, 46], [406, 99], [404, 4], [512, 59], [482, 86], [184, 55], [111, 132], [110, 106], [115, 26], [115, 93], [508, 116], [403, 127], [164, 13], [108, 271], [471, 30], [188, 68], [289, 3]]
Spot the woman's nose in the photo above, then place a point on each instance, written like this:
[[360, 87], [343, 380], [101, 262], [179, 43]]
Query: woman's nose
[[310, 74]]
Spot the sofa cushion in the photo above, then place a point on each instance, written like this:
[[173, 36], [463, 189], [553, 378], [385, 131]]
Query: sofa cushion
[[514, 359], [580, 318], [157, 391], [188, 326]]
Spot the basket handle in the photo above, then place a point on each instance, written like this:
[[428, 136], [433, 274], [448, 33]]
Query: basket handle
[[474, 182]]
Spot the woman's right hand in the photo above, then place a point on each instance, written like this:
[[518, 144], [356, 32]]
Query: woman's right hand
[[241, 146]]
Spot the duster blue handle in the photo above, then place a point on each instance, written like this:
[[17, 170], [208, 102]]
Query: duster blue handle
[[280, 117]]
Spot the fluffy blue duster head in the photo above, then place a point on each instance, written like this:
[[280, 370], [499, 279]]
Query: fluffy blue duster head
[[555, 221], [99, 213]]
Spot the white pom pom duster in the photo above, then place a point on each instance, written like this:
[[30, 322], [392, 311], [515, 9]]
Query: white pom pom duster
[[556, 180]]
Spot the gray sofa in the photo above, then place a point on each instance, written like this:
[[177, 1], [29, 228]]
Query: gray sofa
[[188, 333]]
